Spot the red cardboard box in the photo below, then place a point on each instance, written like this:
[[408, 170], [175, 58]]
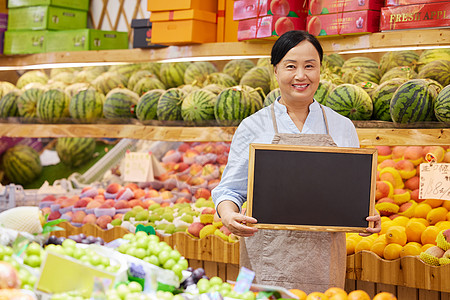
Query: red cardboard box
[[323, 7], [363, 21], [408, 2], [268, 27], [250, 9], [415, 16]]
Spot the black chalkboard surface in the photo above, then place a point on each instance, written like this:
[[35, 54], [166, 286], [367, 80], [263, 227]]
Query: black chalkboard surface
[[311, 188]]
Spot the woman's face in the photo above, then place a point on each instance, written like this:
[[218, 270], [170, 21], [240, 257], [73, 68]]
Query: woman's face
[[298, 73]]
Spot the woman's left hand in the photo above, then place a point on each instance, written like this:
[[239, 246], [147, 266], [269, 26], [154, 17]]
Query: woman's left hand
[[377, 225]]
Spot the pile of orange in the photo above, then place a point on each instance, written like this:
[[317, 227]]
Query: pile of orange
[[336, 293]]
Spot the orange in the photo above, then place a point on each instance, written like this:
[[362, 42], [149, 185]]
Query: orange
[[414, 231], [299, 293], [422, 209], [429, 235], [358, 295], [401, 220], [411, 249], [397, 235], [378, 248], [384, 296], [437, 214], [317, 296], [334, 292], [426, 246], [385, 226], [434, 202], [446, 204], [448, 216], [364, 244], [392, 251]]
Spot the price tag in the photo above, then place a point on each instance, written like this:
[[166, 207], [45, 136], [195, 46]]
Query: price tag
[[138, 167], [434, 181]]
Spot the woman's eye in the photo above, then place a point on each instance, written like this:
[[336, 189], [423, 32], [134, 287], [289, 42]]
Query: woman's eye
[[290, 66]]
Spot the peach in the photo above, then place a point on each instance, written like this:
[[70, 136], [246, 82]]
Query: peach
[[386, 163], [54, 215], [222, 159], [60, 199], [392, 217], [113, 188], [398, 151], [196, 169], [191, 153], [83, 202], [106, 205], [225, 230], [387, 177], [210, 169], [68, 202], [152, 193], [135, 202], [121, 204], [406, 168], [407, 209], [49, 198], [208, 211], [415, 196], [384, 150], [164, 176], [283, 25], [169, 166], [78, 216], [180, 167], [67, 216], [414, 154], [383, 189], [412, 183], [103, 221], [166, 195], [132, 186], [94, 204], [401, 196], [314, 26], [118, 216], [100, 198], [279, 7], [386, 199], [164, 204], [139, 193], [46, 210], [202, 193], [89, 219], [195, 228], [101, 191], [147, 203], [200, 147], [182, 200], [315, 7], [196, 180], [183, 147]]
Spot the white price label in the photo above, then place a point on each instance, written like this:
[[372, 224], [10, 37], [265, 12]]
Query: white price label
[[434, 181], [138, 167]]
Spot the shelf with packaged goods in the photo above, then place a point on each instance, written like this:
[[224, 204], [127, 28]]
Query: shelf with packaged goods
[[367, 136], [370, 42]]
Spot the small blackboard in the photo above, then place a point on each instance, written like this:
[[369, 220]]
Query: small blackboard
[[311, 188]]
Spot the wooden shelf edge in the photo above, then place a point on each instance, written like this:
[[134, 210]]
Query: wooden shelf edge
[[374, 41]]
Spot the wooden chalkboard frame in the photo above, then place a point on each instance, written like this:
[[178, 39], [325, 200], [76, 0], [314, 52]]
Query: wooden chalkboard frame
[[369, 153]]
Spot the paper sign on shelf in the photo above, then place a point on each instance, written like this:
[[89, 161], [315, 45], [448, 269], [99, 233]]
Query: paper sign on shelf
[[138, 167], [434, 181]]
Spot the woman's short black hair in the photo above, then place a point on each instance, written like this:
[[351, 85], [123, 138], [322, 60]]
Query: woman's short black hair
[[289, 40]]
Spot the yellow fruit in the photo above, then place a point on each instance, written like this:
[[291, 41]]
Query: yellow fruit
[[364, 244], [378, 248], [420, 220], [358, 295], [334, 292], [317, 296], [404, 197], [392, 251], [414, 231], [422, 209], [386, 225], [437, 214], [448, 216], [397, 235], [411, 249], [398, 180], [355, 236], [384, 296], [299, 293], [443, 225], [401, 220], [434, 202], [384, 219], [446, 205], [350, 245], [429, 235], [380, 238], [426, 246]]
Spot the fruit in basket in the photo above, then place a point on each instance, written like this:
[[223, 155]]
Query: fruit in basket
[[443, 240], [431, 255], [21, 164], [384, 296], [350, 101], [195, 228], [358, 295], [383, 189], [87, 105], [441, 105], [53, 106]]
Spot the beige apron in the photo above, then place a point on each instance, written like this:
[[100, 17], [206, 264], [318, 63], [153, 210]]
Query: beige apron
[[310, 261]]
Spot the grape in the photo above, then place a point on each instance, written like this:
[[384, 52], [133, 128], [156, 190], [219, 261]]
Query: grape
[[190, 269], [75, 238], [85, 241], [82, 235], [60, 240], [52, 239], [91, 239], [198, 273]]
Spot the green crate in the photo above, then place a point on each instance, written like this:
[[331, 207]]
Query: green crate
[[86, 39], [75, 4], [46, 18], [25, 42]]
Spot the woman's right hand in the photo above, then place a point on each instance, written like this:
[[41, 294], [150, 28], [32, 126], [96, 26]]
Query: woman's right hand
[[236, 223]]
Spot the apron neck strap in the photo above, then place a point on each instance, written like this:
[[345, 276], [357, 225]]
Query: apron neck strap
[[274, 120], [324, 117]]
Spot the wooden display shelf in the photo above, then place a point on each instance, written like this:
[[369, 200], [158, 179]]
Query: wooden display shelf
[[372, 42], [367, 136]]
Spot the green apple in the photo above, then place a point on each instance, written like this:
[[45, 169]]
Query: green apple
[[203, 285], [153, 238], [135, 287], [215, 281]]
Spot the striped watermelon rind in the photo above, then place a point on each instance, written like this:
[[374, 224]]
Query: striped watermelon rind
[[21, 164], [31, 76], [148, 104], [108, 81], [120, 103], [87, 105], [197, 72], [399, 72], [148, 83], [6, 87], [53, 106], [138, 75], [236, 68], [382, 96], [8, 104], [359, 69], [442, 106], [75, 151], [172, 74], [198, 106], [392, 59], [27, 102], [257, 77], [271, 97], [219, 78], [430, 55], [351, 101], [169, 105], [438, 70]]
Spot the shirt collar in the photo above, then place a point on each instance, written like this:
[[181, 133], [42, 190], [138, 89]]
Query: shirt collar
[[312, 107]]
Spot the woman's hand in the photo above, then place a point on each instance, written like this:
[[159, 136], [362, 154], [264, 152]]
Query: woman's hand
[[236, 223], [377, 225]]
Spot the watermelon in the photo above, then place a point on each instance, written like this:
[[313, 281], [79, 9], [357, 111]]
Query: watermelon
[[138, 75], [172, 74], [97, 69], [169, 105], [399, 72], [120, 104], [64, 77], [87, 76], [148, 83], [72, 89], [351, 101], [272, 96], [442, 106], [27, 102], [126, 70], [6, 87], [323, 90], [197, 72], [189, 88], [8, 104], [263, 62], [215, 88], [413, 101], [147, 105], [222, 79], [54, 85], [333, 60], [75, 151], [368, 86], [87, 105], [359, 69], [56, 71], [198, 106], [392, 59], [153, 67], [21, 164], [236, 68], [257, 77], [53, 106], [32, 76], [438, 70], [108, 81], [382, 96], [430, 55], [236, 103]]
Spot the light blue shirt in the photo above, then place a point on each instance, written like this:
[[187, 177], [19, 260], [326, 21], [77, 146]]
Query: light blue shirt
[[258, 128]]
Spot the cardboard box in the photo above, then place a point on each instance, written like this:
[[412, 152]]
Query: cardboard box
[[182, 27], [227, 27], [363, 21], [85, 39], [415, 16], [142, 34], [250, 9], [409, 2], [25, 42], [46, 17], [3, 22], [4, 6], [75, 4], [205, 5], [335, 6], [268, 27]]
